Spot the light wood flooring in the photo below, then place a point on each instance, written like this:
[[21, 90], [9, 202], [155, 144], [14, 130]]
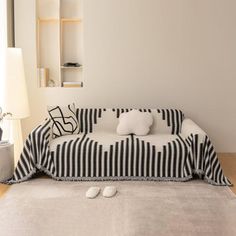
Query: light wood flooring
[[227, 160], [228, 163]]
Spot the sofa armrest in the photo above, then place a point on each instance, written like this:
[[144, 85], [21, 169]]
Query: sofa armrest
[[189, 127], [35, 151], [203, 157]]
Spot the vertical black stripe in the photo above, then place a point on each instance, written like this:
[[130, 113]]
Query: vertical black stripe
[[105, 164], [121, 158], [155, 159], [173, 122], [95, 116], [132, 156], [127, 158], [164, 161], [111, 161], [91, 120], [170, 173], [116, 158], [137, 157], [168, 117], [100, 161], [148, 159], [142, 158], [99, 113]]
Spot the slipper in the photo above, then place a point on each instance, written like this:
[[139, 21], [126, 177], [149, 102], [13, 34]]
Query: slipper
[[92, 192], [109, 191]]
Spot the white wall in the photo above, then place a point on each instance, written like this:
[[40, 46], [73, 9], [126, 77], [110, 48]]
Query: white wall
[[148, 53], [3, 45]]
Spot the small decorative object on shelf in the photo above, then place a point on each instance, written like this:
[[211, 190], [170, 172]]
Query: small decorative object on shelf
[[72, 64], [2, 116], [51, 83]]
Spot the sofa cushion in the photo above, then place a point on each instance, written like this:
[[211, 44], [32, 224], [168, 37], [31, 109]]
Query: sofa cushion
[[134, 122], [108, 139]]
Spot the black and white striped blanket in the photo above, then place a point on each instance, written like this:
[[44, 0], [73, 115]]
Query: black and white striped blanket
[[84, 157]]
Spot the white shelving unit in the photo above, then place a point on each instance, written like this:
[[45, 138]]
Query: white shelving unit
[[59, 41]]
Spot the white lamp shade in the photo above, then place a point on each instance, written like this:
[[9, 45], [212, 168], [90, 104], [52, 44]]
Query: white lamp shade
[[15, 90]]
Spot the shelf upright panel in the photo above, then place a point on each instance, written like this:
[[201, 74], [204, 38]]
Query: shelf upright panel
[[71, 39], [48, 45]]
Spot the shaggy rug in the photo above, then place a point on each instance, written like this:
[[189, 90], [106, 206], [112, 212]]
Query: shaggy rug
[[47, 207]]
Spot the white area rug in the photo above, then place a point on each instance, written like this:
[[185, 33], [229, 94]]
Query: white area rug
[[46, 207]]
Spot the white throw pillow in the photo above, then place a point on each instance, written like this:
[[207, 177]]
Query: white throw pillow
[[134, 122]]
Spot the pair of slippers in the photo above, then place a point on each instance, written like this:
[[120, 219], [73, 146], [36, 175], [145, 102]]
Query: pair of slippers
[[108, 191]]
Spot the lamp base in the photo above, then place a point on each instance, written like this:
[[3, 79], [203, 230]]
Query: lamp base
[[17, 139]]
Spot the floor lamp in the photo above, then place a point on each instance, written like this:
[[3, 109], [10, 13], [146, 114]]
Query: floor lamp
[[15, 96]]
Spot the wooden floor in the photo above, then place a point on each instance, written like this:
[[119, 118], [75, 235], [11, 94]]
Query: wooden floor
[[227, 160], [3, 189], [228, 163]]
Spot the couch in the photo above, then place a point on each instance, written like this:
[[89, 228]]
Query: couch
[[176, 149]]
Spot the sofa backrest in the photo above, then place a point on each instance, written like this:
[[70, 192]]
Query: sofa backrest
[[167, 121]]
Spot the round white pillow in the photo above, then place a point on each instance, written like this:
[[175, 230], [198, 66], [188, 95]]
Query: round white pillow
[[134, 122]]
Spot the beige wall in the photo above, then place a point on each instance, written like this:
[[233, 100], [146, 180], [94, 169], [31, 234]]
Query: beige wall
[[149, 53]]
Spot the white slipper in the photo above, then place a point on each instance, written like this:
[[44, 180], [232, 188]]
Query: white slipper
[[109, 191], [92, 192]]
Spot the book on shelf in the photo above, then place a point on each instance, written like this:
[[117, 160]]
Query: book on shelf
[[78, 84], [43, 75]]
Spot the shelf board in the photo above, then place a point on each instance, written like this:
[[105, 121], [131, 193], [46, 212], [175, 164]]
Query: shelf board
[[71, 67], [52, 20], [71, 20], [63, 20], [72, 86]]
